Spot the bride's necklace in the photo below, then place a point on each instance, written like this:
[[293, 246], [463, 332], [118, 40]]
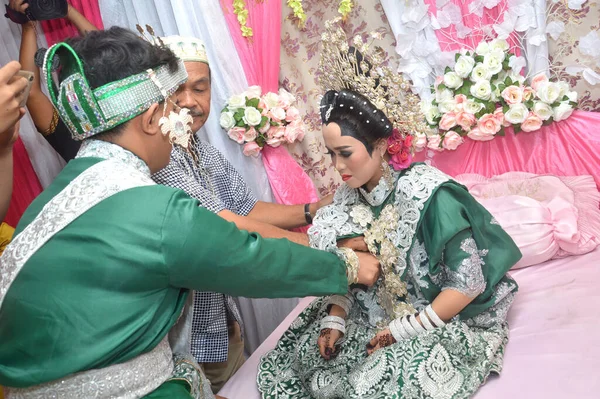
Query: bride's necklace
[[377, 234]]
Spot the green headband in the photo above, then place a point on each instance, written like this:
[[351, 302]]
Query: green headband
[[87, 112]]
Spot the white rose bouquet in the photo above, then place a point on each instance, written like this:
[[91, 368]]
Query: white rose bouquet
[[484, 93], [255, 121]]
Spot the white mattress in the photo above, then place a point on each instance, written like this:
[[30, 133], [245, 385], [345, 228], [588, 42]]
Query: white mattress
[[554, 347]]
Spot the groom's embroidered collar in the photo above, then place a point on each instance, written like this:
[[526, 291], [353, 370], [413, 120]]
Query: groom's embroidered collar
[[106, 150]]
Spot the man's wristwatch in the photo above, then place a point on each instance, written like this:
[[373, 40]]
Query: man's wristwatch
[[307, 214]]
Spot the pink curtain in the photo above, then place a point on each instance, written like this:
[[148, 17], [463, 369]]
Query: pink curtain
[[26, 185], [59, 29], [567, 148], [260, 58], [448, 38]]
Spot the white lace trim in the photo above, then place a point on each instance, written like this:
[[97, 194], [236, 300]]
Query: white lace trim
[[468, 278], [106, 150]]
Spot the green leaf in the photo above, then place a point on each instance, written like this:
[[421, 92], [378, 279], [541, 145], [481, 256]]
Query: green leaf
[[573, 104], [501, 132], [456, 57], [261, 140], [547, 122], [253, 102], [501, 87], [442, 86], [517, 129], [263, 121], [240, 123], [435, 103], [479, 58], [508, 81], [565, 98], [448, 69], [505, 108]]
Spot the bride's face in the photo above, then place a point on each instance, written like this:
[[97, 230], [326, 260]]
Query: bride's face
[[351, 158]]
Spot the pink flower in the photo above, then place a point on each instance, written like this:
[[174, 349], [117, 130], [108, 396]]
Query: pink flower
[[276, 114], [250, 135], [263, 105], [433, 142], [488, 124], [275, 142], [265, 128], [292, 114], [460, 100], [294, 132], [448, 121], [276, 132], [401, 160], [538, 80], [499, 115], [478, 135], [512, 95], [452, 140], [532, 123], [465, 120], [251, 149], [527, 93], [237, 134], [420, 141]]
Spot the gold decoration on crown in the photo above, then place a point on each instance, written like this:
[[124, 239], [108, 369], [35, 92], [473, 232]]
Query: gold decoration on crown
[[340, 69]]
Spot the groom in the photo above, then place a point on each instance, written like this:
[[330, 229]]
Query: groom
[[104, 259]]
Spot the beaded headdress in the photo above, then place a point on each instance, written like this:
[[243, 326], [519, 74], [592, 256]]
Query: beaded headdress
[[362, 69], [87, 112], [186, 48]]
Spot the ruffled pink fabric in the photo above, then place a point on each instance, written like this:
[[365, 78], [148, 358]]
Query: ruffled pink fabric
[[260, 58], [567, 148]]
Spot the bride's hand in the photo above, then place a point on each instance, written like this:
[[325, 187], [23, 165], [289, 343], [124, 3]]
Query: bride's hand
[[356, 243], [327, 341], [382, 339]]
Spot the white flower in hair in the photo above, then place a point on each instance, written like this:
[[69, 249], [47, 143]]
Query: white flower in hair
[[178, 126]]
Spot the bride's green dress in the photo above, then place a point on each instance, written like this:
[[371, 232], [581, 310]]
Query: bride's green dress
[[434, 236]]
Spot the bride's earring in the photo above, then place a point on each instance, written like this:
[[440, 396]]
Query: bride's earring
[[386, 171]]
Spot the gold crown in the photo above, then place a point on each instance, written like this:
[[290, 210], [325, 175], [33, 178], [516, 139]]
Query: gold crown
[[341, 67]]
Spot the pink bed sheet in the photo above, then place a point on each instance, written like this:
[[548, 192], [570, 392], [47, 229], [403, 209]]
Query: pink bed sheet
[[554, 347]]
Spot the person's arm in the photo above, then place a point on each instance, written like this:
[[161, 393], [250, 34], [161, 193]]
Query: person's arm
[[206, 253], [80, 22], [264, 229], [39, 106], [285, 216], [6, 179]]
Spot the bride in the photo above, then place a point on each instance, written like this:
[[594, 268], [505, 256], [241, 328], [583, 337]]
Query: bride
[[434, 325]]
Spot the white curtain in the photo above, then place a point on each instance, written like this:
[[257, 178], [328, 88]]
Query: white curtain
[[45, 161], [204, 19], [536, 42]]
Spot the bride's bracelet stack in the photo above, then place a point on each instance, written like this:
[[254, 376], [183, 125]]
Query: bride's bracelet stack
[[352, 264], [345, 302], [334, 322], [408, 326]]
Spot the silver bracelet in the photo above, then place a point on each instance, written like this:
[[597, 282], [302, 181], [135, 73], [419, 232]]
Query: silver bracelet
[[409, 329], [425, 320], [415, 323], [334, 322], [434, 317], [342, 301], [398, 331]]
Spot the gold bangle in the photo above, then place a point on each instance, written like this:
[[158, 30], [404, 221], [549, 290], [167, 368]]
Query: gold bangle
[[53, 123], [352, 264]]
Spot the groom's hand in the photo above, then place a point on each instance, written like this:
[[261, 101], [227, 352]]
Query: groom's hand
[[369, 270], [356, 243]]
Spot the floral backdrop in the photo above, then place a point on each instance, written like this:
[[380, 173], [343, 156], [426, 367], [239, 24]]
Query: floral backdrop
[[299, 62], [574, 45]]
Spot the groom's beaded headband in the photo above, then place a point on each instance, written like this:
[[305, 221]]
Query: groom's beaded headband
[[87, 112], [341, 67]]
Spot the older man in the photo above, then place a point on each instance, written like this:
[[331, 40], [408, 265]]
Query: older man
[[206, 175]]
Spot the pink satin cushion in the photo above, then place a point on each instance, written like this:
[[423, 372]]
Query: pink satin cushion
[[547, 216]]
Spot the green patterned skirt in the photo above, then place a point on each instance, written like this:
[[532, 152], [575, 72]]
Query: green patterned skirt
[[446, 363]]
